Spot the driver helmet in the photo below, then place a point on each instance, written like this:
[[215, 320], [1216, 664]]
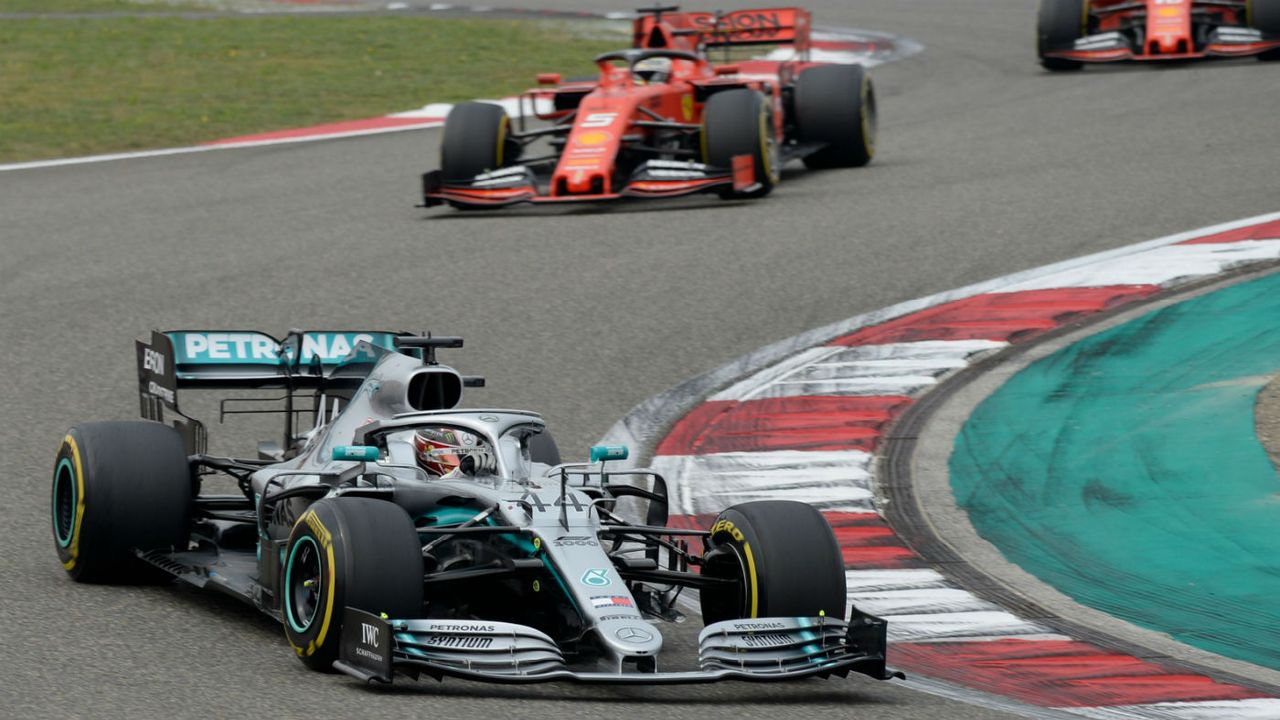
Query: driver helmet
[[444, 450], [652, 70]]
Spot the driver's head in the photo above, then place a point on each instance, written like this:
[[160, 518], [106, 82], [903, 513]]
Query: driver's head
[[652, 70], [442, 450]]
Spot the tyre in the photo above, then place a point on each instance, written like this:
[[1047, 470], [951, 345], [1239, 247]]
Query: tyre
[[119, 487], [1059, 24], [543, 449], [836, 105], [347, 552], [1264, 15], [738, 122], [785, 561], [476, 139]]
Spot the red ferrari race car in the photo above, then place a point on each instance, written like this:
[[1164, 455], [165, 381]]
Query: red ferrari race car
[[662, 119], [1071, 33]]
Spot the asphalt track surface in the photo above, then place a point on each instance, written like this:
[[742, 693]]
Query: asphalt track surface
[[987, 166]]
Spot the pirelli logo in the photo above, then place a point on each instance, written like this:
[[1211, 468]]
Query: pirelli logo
[[317, 527]]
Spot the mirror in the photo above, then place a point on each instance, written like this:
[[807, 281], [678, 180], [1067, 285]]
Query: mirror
[[600, 453], [358, 453]]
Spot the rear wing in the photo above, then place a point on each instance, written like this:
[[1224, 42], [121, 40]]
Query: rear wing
[[320, 361], [659, 27]]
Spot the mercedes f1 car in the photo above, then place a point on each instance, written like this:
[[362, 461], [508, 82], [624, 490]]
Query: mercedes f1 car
[[401, 535], [1071, 33], [662, 119]]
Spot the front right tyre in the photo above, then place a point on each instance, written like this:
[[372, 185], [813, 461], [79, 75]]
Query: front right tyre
[[477, 139], [347, 552]]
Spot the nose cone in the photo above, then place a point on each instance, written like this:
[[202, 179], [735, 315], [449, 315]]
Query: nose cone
[[630, 637]]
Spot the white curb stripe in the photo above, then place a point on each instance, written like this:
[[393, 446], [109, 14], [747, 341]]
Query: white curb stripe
[[923, 607], [973, 626], [838, 480], [890, 369], [1253, 709], [1165, 266]]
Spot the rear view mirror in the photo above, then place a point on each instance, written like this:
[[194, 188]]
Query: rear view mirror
[[549, 78], [600, 453], [359, 453]]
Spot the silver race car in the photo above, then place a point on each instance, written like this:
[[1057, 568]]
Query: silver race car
[[399, 534]]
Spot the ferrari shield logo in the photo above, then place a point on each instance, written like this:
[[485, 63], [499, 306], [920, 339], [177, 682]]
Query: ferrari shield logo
[[686, 105]]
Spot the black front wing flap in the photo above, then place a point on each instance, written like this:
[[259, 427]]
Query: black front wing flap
[[758, 649]]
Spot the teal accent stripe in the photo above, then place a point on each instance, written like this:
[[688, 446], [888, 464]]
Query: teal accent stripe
[[288, 585], [59, 478], [1125, 470]]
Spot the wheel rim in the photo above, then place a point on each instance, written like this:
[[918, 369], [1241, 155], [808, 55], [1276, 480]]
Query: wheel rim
[[303, 584], [64, 502]]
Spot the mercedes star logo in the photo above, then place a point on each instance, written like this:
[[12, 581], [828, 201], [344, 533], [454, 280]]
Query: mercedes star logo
[[634, 634]]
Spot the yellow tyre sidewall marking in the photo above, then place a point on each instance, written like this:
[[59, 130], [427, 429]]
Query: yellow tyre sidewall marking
[[751, 570], [73, 550], [325, 538], [765, 160], [502, 139], [868, 138], [736, 534]]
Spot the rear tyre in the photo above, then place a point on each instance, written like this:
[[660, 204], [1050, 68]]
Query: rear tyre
[[1264, 15], [347, 552], [836, 105], [738, 122], [543, 449], [476, 139], [119, 487], [785, 561], [1059, 24]]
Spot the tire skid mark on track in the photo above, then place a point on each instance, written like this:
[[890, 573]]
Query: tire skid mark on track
[[804, 423]]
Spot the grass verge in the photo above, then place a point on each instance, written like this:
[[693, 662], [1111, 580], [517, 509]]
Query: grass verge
[[92, 85]]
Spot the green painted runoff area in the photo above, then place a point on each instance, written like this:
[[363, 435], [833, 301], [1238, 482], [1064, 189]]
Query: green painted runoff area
[[1125, 470]]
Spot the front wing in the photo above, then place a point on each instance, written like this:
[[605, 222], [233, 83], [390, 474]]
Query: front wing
[[1224, 41], [652, 179], [758, 649]]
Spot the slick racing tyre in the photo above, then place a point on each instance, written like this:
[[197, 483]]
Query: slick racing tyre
[[784, 559], [543, 449], [119, 487], [476, 139], [1058, 26], [347, 552], [738, 122], [1264, 15], [836, 105]]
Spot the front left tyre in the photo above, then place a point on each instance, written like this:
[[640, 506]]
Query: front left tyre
[[1264, 15], [347, 552], [119, 488]]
